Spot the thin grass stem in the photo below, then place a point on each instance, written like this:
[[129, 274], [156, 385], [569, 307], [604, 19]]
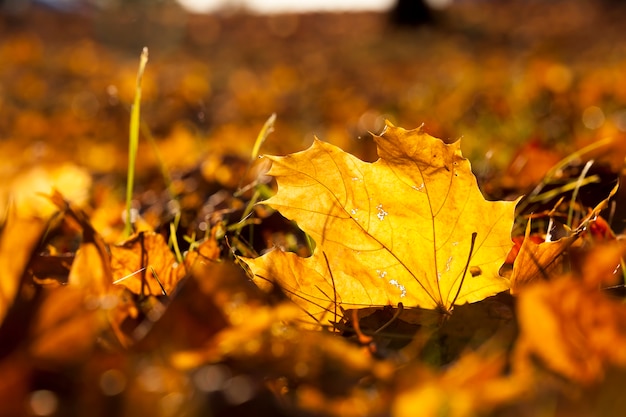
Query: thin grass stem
[[133, 142]]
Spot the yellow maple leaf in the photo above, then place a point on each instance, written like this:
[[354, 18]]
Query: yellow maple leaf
[[410, 228]]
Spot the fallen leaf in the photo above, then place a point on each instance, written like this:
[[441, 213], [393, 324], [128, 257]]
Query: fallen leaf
[[91, 277], [517, 245], [574, 330], [357, 403], [476, 382], [600, 230], [270, 340], [66, 327], [601, 266], [91, 270], [242, 339], [538, 261], [18, 239], [29, 188], [404, 229], [145, 265]]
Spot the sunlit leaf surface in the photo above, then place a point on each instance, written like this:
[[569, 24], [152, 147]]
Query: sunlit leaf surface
[[408, 228]]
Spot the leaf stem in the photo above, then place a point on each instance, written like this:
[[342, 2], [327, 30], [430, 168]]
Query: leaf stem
[[469, 258], [333, 281]]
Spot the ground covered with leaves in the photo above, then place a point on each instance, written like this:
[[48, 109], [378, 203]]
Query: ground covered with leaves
[[372, 271]]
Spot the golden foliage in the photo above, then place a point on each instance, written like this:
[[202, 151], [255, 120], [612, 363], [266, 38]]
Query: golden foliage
[[406, 229], [575, 331], [145, 265], [87, 323], [538, 261], [15, 258], [475, 381]]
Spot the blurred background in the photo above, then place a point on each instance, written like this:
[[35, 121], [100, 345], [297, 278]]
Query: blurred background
[[503, 75], [209, 6]]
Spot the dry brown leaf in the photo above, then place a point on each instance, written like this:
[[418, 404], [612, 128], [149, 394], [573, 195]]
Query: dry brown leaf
[[574, 330], [538, 261], [399, 230], [252, 336], [268, 340], [91, 270], [602, 265], [242, 338], [145, 265], [357, 403], [91, 276], [66, 327], [476, 384]]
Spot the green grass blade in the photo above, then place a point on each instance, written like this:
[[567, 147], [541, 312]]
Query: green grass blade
[[133, 142], [266, 130]]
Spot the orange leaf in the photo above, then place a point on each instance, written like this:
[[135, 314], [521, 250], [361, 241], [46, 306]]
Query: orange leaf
[[29, 188], [538, 261], [517, 245], [399, 230], [145, 265], [66, 327], [602, 265], [574, 331], [476, 383], [18, 240], [90, 288]]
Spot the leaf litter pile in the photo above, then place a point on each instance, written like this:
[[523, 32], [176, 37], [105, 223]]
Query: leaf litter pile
[[369, 274]]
